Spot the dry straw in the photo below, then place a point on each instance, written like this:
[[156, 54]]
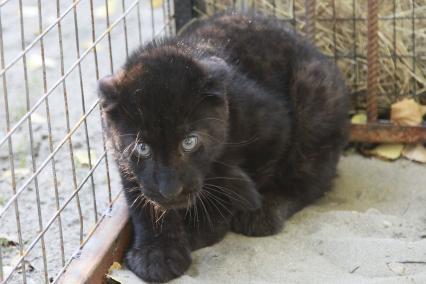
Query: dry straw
[[341, 32]]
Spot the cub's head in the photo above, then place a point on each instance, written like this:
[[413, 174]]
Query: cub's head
[[166, 115]]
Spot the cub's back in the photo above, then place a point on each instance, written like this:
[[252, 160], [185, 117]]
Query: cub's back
[[269, 52], [264, 49]]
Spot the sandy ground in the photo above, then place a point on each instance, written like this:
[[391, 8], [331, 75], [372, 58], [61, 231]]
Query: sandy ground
[[371, 228]]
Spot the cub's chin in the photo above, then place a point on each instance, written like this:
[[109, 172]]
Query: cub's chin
[[180, 202]]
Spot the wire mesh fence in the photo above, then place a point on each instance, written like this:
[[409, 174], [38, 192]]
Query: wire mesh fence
[[340, 30], [55, 178], [379, 46]]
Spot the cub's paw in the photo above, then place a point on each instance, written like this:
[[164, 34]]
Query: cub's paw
[[258, 223], [158, 263]]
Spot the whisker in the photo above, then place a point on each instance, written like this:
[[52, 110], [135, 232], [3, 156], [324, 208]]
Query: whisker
[[136, 199], [127, 134], [212, 200], [188, 204], [245, 142], [229, 193], [205, 210], [208, 118], [240, 143], [222, 163], [161, 216], [227, 178], [196, 212]]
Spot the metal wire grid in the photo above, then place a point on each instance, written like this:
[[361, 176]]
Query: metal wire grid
[[358, 53], [51, 117], [304, 14]]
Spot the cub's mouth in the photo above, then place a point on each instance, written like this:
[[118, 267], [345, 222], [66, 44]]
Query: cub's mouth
[[182, 201]]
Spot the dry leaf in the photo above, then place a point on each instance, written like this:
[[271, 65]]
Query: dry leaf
[[19, 172], [415, 153], [359, 118], [388, 151], [89, 44], [407, 112], [157, 3], [19, 268], [83, 158], [7, 241], [35, 62], [114, 266], [100, 12], [122, 276]]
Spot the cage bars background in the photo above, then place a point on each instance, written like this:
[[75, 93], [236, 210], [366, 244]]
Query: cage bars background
[[55, 182], [378, 44]]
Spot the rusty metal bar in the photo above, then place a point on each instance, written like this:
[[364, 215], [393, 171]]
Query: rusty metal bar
[[387, 133], [373, 71], [310, 19], [106, 245]]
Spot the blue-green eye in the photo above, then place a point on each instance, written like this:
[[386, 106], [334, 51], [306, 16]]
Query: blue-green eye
[[190, 142], [143, 150]]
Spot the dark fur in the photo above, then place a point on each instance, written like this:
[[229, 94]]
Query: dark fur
[[271, 114]]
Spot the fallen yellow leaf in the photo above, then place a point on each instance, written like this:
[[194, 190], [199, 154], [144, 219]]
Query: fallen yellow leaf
[[100, 12], [15, 262], [8, 241], [359, 118], [83, 158], [35, 62], [415, 153], [388, 151], [156, 3], [407, 112], [19, 172], [114, 266]]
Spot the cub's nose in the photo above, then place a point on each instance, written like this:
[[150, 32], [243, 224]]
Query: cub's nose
[[169, 190]]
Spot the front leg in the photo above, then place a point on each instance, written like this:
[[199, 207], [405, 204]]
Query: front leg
[[160, 250], [267, 220], [226, 190], [233, 186]]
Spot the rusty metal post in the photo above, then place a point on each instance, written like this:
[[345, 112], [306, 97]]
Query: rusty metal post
[[373, 72], [107, 244], [310, 19]]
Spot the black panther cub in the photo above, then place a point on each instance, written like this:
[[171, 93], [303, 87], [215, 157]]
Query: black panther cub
[[235, 124]]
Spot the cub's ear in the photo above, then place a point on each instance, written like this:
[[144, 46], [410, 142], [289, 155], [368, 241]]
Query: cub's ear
[[108, 92], [218, 72], [216, 67]]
